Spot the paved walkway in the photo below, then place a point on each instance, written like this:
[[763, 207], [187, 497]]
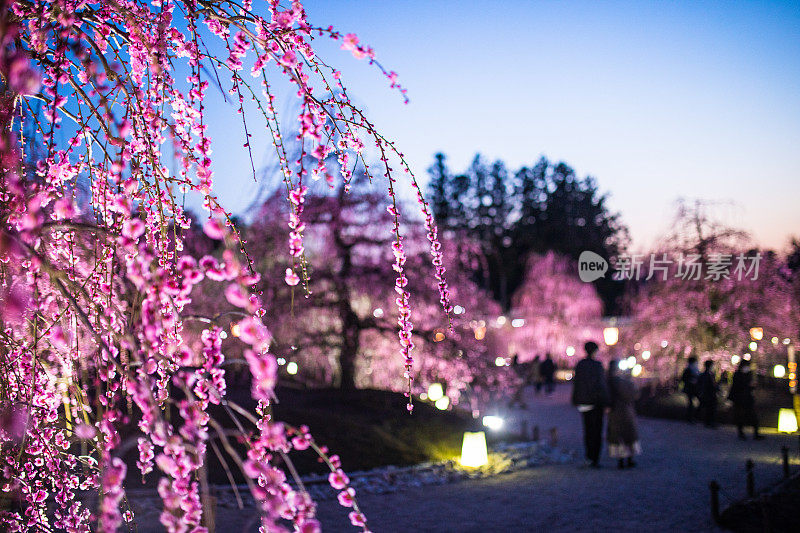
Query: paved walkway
[[667, 491]]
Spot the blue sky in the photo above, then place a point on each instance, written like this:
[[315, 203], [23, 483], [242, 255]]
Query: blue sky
[[657, 100]]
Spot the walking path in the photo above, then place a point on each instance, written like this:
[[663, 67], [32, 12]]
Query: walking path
[[667, 491]]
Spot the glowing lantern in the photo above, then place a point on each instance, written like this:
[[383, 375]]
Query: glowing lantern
[[757, 333], [493, 422], [435, 392], [235, 329], [442, 403], [501, 320], [753, 346], [438, 336], [377, 313], [480, 333], [636, 371], [473, 450], [735, 359], [787, 421], [517, 322], [611, 336], [779, 371], [774, 340], [291, 368], [570, 351], [646, 355], [499, 361]]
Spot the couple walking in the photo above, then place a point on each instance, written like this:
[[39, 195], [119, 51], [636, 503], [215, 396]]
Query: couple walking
[[593, 391]]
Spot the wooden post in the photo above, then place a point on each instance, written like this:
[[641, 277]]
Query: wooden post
[[751, 483], [714, 486], [536, 433], [785, 454], [553, 437]]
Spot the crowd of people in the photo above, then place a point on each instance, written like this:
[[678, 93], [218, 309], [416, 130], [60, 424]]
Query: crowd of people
[[702, 391], [539, 373], [598, 392]]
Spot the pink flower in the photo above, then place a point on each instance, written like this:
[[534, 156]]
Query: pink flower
[[291, 278], [301, 442], [350, 42], [133, 228], [253, 332], [357, 519], [338, 479], [85, 431], [320, 152], [310, 525], [22, 79], [14, 302], [57, 338], [347, 497], [215, 229], [264, 369], [236, 295], [63, 209]]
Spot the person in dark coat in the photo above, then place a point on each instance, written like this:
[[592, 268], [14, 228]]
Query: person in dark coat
[[547, 370], [622, 434], [689, 385], [707, 390], [535, 374], [523, 371], [590, 395], [744, 403]]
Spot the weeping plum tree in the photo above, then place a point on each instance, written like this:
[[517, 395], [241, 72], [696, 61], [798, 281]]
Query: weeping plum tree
[[96, 274], [558, 309], [343, 334], [696, 308]]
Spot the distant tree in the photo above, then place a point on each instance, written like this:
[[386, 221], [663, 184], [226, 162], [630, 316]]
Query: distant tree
[[345, 333], [681, 316], [533, 210], [559, 311]]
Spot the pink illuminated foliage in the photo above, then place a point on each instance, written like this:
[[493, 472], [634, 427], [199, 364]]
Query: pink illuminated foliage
[[104, 134], [705, 314], [558, 309], [344, 333]]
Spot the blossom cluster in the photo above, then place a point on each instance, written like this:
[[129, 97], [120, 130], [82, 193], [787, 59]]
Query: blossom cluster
[[96, 276]]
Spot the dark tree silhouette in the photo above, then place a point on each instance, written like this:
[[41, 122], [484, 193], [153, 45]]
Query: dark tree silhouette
[[534, 210]]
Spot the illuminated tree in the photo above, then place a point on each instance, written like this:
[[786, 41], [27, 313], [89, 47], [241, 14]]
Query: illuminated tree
[[694, 308], [343, 333], [559, 311], [96, 275]]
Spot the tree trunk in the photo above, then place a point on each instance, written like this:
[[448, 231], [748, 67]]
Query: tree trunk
[[351, 332]]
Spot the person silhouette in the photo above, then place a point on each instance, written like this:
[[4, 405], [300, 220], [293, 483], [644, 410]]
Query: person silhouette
[[590, 395]]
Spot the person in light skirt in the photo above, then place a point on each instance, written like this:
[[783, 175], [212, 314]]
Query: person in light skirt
[[622, 432]]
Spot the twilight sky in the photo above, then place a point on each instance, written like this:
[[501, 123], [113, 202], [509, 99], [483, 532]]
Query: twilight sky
[[656, 100]]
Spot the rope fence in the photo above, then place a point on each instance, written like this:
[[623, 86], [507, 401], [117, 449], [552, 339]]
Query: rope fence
[[767, 509]]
